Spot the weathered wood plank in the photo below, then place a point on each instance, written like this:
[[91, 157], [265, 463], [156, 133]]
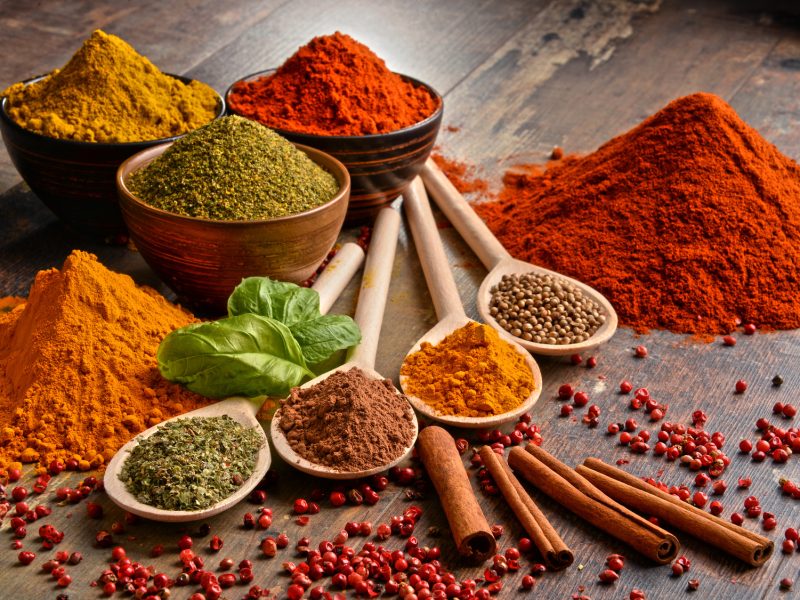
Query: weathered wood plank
[[601, 74], [770, 98], [423, 50]]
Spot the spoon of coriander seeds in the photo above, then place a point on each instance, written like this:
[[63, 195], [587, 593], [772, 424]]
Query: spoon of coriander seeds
[[546, 313]]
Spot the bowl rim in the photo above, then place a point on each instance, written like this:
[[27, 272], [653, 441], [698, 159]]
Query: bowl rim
[[337, 137], [6, 118], [144, 157]]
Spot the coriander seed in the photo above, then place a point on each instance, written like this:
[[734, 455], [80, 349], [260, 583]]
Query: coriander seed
[[544, 309]]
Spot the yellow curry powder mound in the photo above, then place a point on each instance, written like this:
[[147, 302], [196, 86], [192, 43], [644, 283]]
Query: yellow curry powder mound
[[472, 372], [109, 93], [78, 373]]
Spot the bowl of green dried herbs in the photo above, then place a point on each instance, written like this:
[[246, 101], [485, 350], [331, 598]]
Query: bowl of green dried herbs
[[232, 200]]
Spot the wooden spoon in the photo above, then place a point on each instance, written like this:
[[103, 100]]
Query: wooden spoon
[[241, 410], [499, 262], [335, 277], [329, 285], [449, 309], [369, 316]]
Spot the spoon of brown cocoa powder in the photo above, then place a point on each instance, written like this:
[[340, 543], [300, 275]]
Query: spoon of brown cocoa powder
[[512, 287], [351, 422]]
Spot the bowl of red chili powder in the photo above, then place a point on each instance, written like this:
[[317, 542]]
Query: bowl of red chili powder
[[334, 94]]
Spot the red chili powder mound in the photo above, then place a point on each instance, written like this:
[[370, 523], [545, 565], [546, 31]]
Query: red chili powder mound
[[688, 222], [334, 85]]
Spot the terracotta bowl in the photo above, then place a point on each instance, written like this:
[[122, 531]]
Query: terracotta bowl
[[76, 180], [380, 165], [203, 259]]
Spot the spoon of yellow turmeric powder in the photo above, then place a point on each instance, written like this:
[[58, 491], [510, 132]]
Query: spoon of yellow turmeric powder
[[329, 285], [461, 372], [292, 424], [502, 265]]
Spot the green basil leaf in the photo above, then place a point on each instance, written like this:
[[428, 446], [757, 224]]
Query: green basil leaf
[[285, 302], [323, 336], [247, 355]]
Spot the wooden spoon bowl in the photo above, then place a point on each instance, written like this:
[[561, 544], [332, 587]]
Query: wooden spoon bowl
[[511, 266], [435, 335], [241, 410], [287, 453]]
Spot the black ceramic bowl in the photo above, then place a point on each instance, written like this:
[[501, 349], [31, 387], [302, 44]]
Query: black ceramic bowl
[[380, 165], [76, 180]]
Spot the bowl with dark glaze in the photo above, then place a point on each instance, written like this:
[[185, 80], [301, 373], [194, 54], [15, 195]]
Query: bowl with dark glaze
[[202, 260], [76, 180], [381, 165]]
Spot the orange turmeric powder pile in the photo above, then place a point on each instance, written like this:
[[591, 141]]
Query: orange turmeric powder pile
[[78, 373], [472, 372]]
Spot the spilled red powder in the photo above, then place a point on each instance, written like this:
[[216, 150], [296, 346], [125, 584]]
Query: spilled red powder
[[462, 175]]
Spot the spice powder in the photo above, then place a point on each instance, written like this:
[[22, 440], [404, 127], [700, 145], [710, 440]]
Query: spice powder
[[348, 421]]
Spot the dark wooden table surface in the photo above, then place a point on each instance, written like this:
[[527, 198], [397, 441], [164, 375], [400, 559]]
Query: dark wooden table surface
[[518, 77]]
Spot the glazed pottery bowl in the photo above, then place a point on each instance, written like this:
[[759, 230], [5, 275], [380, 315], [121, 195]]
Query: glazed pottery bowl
[[380, 165], [203, 259], [76, 180]]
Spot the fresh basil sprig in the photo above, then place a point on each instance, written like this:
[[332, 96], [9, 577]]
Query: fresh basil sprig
[[273, 339], [285, 302], [319, 336]]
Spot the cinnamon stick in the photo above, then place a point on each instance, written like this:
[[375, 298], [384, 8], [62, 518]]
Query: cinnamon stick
[[437, 451], [555, 552], [631, 491], [579, 496]]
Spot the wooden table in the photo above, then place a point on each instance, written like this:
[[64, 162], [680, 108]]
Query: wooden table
[[518, 77]]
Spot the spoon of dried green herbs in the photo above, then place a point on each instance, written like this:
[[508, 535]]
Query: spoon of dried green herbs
[[193, 466]]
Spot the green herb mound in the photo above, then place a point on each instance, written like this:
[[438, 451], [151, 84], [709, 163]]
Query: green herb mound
[[272, 340], [233, 169], [191, 464]]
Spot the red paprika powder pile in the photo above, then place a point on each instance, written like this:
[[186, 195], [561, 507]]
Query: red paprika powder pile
[[334, 85], [689, 222]]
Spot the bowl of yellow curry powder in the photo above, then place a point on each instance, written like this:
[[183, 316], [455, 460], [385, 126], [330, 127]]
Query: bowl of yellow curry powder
[[67, 132], [230, 200]]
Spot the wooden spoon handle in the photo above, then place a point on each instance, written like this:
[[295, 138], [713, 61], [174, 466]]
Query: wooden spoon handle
[[332, 281], [441, 284], [375, 285], [460, 213]]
